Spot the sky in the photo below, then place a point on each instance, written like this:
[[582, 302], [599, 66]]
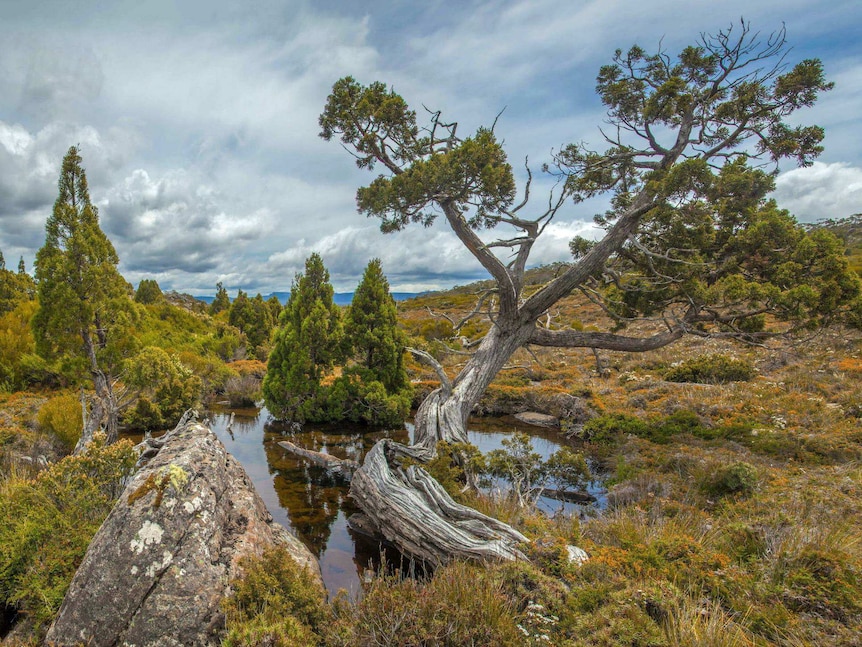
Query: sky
[[197, 120]]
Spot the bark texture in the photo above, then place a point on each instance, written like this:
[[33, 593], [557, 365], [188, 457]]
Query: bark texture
[[413, 512], [158, 568]]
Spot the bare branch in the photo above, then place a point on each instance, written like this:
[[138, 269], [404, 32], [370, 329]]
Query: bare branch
[[428, 359], [602, 340]]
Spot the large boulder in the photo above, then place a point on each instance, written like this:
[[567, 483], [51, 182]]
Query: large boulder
[[159, 567]]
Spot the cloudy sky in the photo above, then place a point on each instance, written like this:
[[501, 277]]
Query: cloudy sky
[[197, 119]]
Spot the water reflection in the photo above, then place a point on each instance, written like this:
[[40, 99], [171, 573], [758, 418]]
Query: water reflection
[[308, 500], [304, 497]]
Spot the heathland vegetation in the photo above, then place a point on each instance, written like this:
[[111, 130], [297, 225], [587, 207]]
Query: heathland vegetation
[[724, 423]]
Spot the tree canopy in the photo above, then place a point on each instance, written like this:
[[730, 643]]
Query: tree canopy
[[221, 301], [252, 317], [314, 339], [148, 292]]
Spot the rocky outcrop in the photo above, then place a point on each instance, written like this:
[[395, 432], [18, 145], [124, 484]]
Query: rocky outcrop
[[158, 568]]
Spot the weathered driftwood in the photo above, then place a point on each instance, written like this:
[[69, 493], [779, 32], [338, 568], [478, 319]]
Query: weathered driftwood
[[569, 496], [343, 468], [405, 507], [413, 512], [361, 524]]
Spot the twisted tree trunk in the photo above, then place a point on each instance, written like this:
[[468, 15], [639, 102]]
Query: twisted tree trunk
[[104, 414], [443, 414]]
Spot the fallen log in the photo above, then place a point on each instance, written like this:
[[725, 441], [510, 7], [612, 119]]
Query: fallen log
[[341, 467], [569, 496], [413, 512]]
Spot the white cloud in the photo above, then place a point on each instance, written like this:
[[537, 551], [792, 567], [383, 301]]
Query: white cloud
[[821, 191], [198, 120]]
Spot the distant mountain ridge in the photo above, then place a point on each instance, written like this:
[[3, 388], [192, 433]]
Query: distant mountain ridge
[[340, 298]]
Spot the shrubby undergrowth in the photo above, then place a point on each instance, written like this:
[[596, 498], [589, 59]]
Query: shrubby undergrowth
[[47, 522]]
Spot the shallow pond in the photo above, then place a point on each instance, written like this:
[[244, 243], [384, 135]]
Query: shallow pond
[[306, 499]]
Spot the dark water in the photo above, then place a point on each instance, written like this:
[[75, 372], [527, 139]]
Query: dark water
[[315, 506]]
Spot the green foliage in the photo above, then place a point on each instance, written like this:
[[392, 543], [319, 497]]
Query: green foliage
[[371, 329], [81, 293], [311, 340], [253, 318], [221, 301], [166, 389], [461, 604], [451, 465], [306, 346], [357, 396], [148, 292], [177, 330], [743, 258], [607, 428], [430, 329], [529, 475], [15, 288], [611, 428], [61, 416], [711, 369], [19, 366], [275, 602], [275, 308], [736, 478], [427, 170], [47, 523]]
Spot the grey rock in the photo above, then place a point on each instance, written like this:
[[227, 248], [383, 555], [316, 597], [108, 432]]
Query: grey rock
[[159, 567], [538, 419], [577, 556]]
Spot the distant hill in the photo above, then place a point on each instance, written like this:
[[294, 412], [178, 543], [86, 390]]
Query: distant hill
[[340, 298], [850, 231]]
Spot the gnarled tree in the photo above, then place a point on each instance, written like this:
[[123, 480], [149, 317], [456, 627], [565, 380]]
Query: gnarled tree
[[690, 240], [684, 137]]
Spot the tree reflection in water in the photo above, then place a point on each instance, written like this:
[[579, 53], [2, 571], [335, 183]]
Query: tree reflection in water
[[303, 497]]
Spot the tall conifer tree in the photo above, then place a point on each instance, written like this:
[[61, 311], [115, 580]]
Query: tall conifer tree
[[221, 301], [371, 326], [83, 299], [306, 345]]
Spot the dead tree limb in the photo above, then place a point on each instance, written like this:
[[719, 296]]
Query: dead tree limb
[[340, 467]]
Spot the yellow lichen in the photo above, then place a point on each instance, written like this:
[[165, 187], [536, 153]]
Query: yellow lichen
[[171, 475]]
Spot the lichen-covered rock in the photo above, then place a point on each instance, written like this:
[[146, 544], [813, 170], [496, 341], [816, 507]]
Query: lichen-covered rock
[[158, 568]]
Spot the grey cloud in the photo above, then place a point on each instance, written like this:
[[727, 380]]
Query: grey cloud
[[59, 79], [29, 168], [821, 191], [178, 221], [412, 257]]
